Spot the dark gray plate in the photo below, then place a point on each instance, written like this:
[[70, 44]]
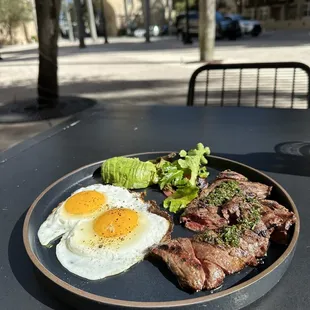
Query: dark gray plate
[[150, 284]]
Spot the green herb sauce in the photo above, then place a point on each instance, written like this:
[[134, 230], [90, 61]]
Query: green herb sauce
[[230, 235], [223, 193]]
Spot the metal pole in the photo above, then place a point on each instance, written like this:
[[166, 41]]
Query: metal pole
[[104, 23], [68, 16], [211, 26], [80, 22], [92, 24], [187, 39], [147, 20]]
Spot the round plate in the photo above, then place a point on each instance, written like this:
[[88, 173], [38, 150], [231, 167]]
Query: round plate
[[150, 284]]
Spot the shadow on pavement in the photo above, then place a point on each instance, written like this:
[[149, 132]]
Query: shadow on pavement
[[292, 157], [30, 111]]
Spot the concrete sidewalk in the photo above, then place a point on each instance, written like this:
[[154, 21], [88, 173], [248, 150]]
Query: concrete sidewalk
[[129, 71]]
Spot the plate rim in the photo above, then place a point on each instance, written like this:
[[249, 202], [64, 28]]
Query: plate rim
[[159, 304]]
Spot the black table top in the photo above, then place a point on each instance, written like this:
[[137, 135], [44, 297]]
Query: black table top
[[274, 141]]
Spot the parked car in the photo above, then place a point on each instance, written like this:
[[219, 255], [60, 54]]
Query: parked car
[[247, 25], [141, 32], [225, 27]]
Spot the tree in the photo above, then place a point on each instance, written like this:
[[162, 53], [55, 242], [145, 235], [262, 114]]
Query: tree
[[48, 32], [179, 5], [12, 14], [80, 22], [207, 25]]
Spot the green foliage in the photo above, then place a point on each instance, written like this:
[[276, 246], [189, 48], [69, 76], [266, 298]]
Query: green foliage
[[12, 13], [179, 5]]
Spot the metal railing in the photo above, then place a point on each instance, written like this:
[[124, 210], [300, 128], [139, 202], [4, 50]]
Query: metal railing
[[276, 85]]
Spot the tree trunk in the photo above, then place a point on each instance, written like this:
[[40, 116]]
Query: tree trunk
[[26, 33], [211, 27], [207, 26], [146, 13], [202, 29], [11, 33], [48, 31], [81, 27], [104, 22]]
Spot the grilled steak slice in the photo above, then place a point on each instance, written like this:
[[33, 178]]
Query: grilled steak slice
[[207, 190], [251, 247], [218, 255], [214, 274], [238, 208], [253, 243], [255, 189], [229, 174], [277, 217], [231, 209], [199, 218], [201, 215], [179, 255], [248, 188]]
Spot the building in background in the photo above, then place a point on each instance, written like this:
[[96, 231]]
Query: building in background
[[128, 14], [279, 14]]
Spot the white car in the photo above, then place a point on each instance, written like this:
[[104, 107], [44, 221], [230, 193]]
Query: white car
[[140, 32], [247, 26]]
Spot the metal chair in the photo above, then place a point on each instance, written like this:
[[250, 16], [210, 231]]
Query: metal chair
[[274, 85]]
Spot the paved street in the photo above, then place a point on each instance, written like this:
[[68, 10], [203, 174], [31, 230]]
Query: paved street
[[129, 71]]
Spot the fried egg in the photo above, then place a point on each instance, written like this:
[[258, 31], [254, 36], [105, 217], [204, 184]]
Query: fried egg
[[112, 242], [84, 204]]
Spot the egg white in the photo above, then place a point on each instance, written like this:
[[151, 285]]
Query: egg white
[[84, 253], [60, 221]]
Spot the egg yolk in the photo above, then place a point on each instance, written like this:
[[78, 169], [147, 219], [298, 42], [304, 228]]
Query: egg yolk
[[115, 223], [85, 202]]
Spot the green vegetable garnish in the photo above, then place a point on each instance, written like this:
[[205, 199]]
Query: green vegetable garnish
[[130, 173], [181, 175], [191, 162], [223, 193], [170, 175], [181, 198], [178, 176]]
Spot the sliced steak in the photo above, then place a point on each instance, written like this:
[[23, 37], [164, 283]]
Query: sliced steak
[[253, 243], [278, 218], [229, 174], [251, 247], [218, 255], [250, 189], [213, 273], [179, 255], [231, 210], [201, 215], [255, 189], [200, 218]]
